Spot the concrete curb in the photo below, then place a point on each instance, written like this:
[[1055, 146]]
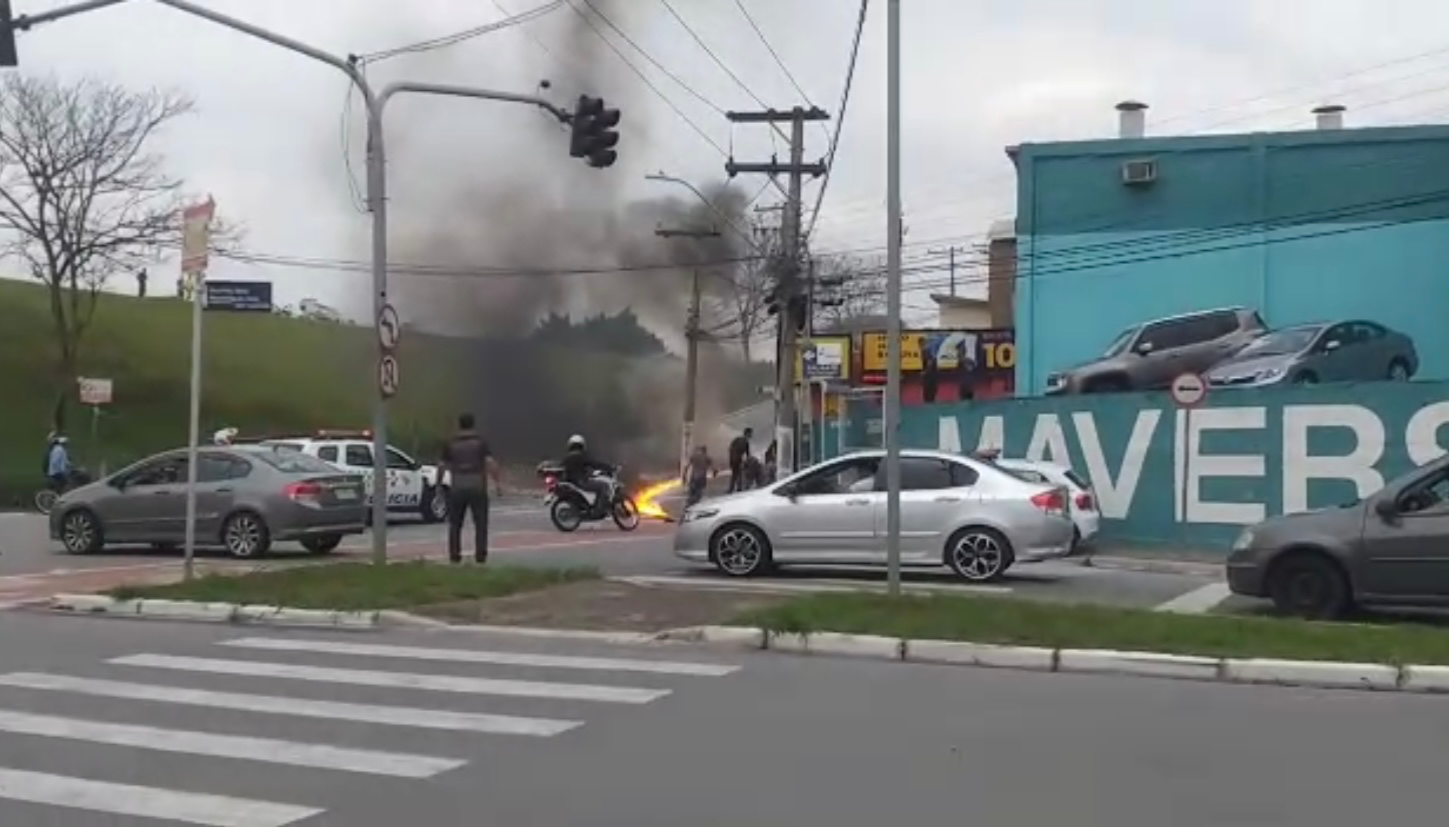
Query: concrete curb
[[101, 605], [1324, 674]]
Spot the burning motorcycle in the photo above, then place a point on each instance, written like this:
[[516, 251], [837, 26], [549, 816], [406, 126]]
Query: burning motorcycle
[[570, 506]]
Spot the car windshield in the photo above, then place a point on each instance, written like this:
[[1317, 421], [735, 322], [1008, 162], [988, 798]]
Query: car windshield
[[294, 462], [1120, 343], [1282, 342]]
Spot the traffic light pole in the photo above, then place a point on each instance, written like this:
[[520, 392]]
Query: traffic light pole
[[376, 185], [789, 276]]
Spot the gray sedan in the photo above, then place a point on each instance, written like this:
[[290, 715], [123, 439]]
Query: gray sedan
[[1389, 548], [958, 512], [1320, 352], [247, 497]]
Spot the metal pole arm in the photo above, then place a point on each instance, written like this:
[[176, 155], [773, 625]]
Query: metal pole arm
[[465, 92]]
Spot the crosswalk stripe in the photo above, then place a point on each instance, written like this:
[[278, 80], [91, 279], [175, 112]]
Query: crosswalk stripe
[[398, 680], [147, 802], [247, 748], [300, 707], [479, 656]]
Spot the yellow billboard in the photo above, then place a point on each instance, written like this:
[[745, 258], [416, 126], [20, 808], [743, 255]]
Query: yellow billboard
[[993, 350], [823, 358]]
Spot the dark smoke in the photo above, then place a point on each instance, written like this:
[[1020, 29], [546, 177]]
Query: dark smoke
[[479, 185]]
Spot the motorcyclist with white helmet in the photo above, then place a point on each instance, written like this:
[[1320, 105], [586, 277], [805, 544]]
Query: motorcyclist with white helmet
[[578, 470]]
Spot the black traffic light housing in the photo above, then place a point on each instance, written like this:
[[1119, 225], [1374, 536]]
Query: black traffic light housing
[[8, 55], [593, 135]]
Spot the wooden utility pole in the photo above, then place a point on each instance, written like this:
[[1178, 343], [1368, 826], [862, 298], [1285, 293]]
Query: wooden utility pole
[[789, 290], [692, 336]]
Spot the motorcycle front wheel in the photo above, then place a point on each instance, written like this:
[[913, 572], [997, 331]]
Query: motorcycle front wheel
[[566, 515], [626, 514]]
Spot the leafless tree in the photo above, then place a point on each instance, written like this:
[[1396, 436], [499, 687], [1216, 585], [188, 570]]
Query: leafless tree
[[742, 293], [847, 289], [83, 194]]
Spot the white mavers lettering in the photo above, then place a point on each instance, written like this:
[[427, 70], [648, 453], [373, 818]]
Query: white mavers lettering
[[1300, 466], [1421, 437], [1114, 496], [1197, 465], [1048, 441]]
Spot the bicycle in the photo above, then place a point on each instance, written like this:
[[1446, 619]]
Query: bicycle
[[45, 498]]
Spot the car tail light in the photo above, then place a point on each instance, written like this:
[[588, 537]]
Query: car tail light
[[1085, 502], [550, 482], [1051, 502], [303, 492]]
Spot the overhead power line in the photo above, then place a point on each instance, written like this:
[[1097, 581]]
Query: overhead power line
[[719, 62], [840, 116], [760, 33], [463, 36], [696, 94]]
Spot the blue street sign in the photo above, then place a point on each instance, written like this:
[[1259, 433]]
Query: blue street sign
[[239, 296]]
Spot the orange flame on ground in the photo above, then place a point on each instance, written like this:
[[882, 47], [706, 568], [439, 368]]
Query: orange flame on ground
[[647, 499]]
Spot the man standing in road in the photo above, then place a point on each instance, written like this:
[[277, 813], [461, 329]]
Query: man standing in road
[[467, 460], [696, 475], [739, 449]]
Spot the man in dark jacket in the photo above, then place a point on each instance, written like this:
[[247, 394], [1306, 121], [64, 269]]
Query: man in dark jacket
[[469, 464], [578, 470], [739, 449]]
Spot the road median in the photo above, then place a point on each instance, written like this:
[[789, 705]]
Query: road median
[[1004, 621]]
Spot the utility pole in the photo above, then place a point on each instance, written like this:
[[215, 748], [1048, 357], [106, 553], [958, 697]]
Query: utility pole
[[950, 253], [895, 232], [792, 313], [692, 336]]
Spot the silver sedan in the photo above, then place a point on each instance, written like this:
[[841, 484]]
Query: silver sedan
[[247, 497], [958, 512]]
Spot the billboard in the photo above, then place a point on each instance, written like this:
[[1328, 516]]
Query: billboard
[[945, 365], [824, 358]]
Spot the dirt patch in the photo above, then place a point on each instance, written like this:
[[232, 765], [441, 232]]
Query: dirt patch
[[605, 606]]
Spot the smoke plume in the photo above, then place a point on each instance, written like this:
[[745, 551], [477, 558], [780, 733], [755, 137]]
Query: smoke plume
[[489, 185]]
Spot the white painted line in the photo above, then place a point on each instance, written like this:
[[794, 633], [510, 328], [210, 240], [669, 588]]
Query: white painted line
[[300, 707], [658, 667], [398, 680], [147, 802], [1198, 601], [247, 748]]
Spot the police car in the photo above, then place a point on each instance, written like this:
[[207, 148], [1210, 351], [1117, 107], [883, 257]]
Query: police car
[[412, 487]]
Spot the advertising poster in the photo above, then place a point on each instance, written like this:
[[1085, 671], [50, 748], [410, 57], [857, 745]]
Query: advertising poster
[[945, 365]]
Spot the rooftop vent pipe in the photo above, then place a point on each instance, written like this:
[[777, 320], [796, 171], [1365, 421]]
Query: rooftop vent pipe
[[1329, 117], [1131, 119]]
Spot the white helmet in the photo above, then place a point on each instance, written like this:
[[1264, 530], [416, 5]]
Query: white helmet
[[576, 441]]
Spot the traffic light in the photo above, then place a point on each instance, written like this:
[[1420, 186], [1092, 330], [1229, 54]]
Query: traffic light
[[594, 135], [8, 55]]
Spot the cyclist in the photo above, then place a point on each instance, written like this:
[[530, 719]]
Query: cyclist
[[57, 463]]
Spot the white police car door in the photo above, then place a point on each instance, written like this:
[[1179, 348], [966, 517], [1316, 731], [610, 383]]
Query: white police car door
[[404, 487]]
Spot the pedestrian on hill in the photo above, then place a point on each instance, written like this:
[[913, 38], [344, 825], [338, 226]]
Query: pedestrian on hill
[[739, 449], [469, 464]]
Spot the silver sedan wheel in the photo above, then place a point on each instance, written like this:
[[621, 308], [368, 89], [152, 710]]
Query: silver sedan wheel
[[978, 556], [738, 551], [244, 536]]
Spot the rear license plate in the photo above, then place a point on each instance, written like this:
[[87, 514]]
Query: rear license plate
[[346, 493]]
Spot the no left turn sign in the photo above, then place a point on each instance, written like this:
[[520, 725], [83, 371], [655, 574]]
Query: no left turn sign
[[1189, 390]]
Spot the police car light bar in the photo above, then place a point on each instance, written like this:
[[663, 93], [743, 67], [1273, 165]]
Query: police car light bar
[[344, 434]]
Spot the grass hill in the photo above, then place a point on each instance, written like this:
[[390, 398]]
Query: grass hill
[[261, 373]]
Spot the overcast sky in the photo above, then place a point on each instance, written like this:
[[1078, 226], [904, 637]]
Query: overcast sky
[[268, 140]]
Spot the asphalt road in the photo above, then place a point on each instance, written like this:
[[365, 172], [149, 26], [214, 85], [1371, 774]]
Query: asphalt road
[[31, 566], [108, 721]]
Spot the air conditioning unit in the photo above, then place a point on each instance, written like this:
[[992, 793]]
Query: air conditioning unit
[[1139, 173]]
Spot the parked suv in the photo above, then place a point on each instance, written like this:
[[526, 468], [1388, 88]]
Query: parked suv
[[1150, 355]]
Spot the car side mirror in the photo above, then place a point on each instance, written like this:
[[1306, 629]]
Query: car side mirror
[[1143, 348], [1332, 345], [1386, 509]]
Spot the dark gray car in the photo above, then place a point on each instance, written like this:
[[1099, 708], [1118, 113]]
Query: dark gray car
[[1355, 350], [1390, 548], [247, 497], [1150, 355]]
